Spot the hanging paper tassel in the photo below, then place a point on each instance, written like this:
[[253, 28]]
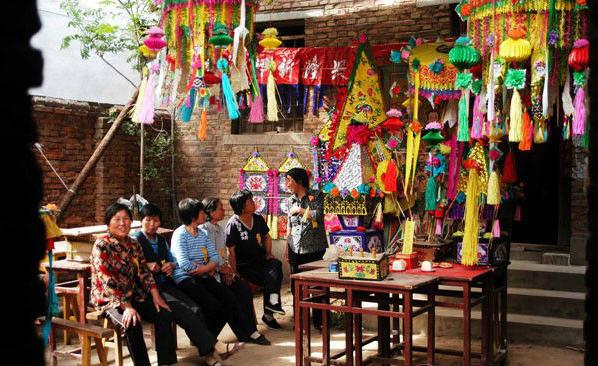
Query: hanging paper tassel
[[408, 237], [202, 132], [378, 217], [478, 117], [256, 114], [509, 170], [139, 101], [146, 116], [516, 118], [431, 188], [438, 231], [314, 99], [470, 235], [241, 179], [274, 227], [454, 167], [227, 90], [527, 134], [496, 229], [493, 195], [566, 101], [187, 108], [274, 203], [491, 90], [463, 127], [272, 104], [579, 116]]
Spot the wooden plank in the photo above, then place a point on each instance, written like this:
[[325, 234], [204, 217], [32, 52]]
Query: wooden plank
[[89, 330]]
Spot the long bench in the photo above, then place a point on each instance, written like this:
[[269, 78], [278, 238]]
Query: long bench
[[85, 332]]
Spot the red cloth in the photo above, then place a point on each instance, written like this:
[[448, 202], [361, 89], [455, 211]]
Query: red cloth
[[456, 272], [338, 65], [287, 66], [312, 65]]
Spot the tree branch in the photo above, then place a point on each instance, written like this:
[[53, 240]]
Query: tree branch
[[117, 70]]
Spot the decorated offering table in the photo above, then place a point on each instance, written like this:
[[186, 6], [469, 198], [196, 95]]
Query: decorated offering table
[[351, 293]]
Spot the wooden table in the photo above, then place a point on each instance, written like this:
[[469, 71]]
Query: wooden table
[[466, 279], [78, 287], [353, 292]]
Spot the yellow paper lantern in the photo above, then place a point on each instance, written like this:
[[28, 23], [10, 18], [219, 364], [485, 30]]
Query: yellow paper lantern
[[270, 41], [516, 47]]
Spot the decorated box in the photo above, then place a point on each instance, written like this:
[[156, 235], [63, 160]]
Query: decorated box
[[493, 252], [363, 266], [357, 240]]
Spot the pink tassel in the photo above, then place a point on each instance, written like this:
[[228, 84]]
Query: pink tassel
[[454, 166], [256, 114], [147, 107], [438, 227], [496, 229], [219, 105], [579, 116], [478, 117], [241, 179]]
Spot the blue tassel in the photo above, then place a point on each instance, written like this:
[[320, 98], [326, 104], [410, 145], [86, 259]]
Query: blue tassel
[[314, 101], [227, 90], [321, 96], [187, 108], [305, 94], [297, 94], [53, 307]]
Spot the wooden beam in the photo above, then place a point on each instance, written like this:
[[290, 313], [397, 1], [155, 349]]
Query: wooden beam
[[95, 157]]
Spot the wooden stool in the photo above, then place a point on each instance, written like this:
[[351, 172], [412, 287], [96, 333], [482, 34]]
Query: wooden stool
[[85, 332], [114, 340]]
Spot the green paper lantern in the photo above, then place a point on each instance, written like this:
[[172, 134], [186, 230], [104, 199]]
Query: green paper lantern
[[463, 55], [433, 137]]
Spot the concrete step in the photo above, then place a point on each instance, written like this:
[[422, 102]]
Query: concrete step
[[559, 304], [527, 274]]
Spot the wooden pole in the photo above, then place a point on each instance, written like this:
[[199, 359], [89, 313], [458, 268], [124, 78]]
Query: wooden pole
[[97, 154]]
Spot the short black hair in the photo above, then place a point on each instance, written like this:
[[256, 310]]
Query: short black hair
[[189, 209], [150, 210], [210, 205], [115, 208], [238, 199], [300, 176]]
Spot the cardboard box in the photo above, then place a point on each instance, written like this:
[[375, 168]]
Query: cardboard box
[[367, 267]]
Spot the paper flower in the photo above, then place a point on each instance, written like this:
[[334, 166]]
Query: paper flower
[[314, 141], [437, 66], [395, 56], [553, 37]]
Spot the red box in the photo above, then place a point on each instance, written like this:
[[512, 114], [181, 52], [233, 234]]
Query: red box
[[411, 260]]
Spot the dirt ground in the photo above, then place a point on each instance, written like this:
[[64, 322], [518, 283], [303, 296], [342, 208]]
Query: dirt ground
[[282, 350]]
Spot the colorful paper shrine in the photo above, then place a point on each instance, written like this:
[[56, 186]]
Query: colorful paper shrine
[[255, 177]]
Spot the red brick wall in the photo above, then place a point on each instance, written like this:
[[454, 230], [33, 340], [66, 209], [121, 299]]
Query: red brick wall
[[69, 131], [343, 20]]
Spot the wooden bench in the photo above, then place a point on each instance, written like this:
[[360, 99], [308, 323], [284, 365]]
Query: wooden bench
[[114, 341], [85, 332]]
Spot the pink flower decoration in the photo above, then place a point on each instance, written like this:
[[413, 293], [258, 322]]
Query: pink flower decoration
[[314, 141], [394, 113], [419, 41], [363, 38], [405, 54], [393, 144]]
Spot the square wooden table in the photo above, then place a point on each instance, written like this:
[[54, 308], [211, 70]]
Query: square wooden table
[[353, 292]]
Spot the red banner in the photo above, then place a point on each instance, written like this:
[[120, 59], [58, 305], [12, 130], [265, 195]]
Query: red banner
[[338, 65], [287, 65], [312, 65]]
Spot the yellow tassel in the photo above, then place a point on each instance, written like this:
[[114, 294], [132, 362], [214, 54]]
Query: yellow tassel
[[269, 221], [202, 132], [470, 236], [408, 237], [418, 136], [516, 118], [271, 93], [378, 216], [493, 189], [408, 160], [274, 228]]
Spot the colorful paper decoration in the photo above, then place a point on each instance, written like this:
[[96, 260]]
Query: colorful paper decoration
[[364, 96], [437, 74], [254, 177]]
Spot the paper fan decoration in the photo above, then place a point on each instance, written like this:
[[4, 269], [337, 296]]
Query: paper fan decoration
[[436, 73]]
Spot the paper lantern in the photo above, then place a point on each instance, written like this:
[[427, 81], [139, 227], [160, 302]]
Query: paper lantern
[[433, 137], [154, 40], [516, 47], [463, 55], [270, 41], [220, 39], [580, 55]]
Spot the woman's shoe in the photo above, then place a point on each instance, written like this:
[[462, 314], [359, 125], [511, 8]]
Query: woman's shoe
[[271, 323], [261, 340], [230, 349], [212, 360]]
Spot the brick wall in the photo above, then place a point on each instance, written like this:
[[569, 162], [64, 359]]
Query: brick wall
[[69, 131], [343, 20]]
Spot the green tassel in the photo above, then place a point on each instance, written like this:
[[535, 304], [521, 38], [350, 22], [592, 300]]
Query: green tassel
[[463, 128], [431, 189]]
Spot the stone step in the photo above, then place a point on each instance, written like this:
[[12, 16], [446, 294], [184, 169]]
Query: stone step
[[559, 304], [526, 274]]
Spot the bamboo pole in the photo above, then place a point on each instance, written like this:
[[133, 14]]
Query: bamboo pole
[[95, 157]]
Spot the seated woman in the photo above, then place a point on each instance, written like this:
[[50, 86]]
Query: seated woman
[[124, 289], [186, 312], [197, 262], [250, 252], [215, 212]]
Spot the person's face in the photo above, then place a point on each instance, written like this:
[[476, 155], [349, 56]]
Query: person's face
[[201, 217], [292, 184], [249, 206], [218, 214], [120, 224], [150, 224]]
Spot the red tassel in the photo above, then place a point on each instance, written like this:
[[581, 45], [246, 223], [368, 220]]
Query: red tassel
[[509, 171], [390, 177], [527, 135], [202, 133]]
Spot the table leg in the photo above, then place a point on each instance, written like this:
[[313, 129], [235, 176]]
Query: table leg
[[298, 326], [407, 327], [396, 336], [326, 331], [503, 311], [349, 319], [81, 298], [306, 325], [358, 333], [467, 324], [431, 325], [383, 327], [486, 322]]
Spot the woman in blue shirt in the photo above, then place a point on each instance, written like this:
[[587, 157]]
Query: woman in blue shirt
[[197, 261]]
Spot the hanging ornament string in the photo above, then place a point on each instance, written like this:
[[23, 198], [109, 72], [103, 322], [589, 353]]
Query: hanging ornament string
[[38, 146]]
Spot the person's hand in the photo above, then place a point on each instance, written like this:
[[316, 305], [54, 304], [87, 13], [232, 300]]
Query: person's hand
[[153, 267], [130, 316], [295, 210], [167, 268], [199, 270], [159, 302]]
